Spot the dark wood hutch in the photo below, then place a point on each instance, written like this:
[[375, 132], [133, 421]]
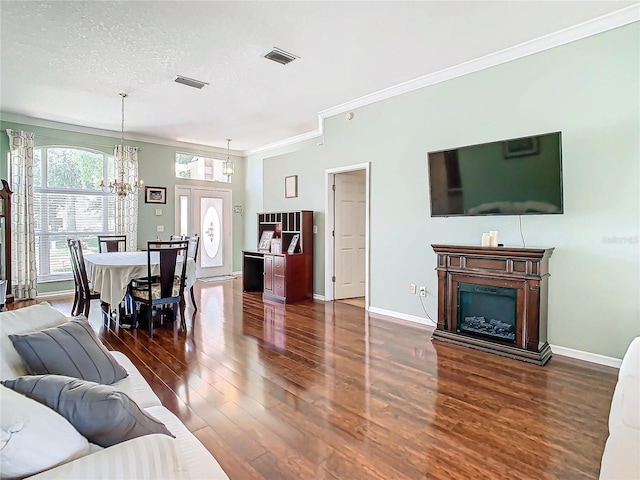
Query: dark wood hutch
[[283, 277]]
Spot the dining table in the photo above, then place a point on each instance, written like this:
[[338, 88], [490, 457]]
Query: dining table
[[111, 272]]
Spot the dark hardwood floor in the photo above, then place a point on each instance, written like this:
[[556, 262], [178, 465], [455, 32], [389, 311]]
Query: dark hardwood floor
[[326, 391]]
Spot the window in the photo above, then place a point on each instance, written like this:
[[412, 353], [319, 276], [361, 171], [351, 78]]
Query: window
[[195, 167], [68, 202]]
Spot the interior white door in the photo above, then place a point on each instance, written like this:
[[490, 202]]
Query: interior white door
[[207, 212], [349, 234]]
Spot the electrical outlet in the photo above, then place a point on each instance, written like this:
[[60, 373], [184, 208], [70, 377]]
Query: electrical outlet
[[159, 228], [423, 291], [412, 288]]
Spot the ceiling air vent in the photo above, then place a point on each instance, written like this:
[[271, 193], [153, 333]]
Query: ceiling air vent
[[280, 56], [190, 82]]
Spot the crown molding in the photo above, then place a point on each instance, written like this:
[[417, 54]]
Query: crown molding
[[286, 142], [68, 127], [586, 29]]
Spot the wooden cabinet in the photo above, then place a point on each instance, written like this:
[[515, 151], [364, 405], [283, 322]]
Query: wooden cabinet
[[268, 273], [282, 276], [5, 238], [288, 277]]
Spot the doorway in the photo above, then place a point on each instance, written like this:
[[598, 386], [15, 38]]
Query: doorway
[[347, 234], [207, 212]]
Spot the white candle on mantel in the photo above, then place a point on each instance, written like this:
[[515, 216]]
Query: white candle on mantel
[[493, 238], [486, 241]]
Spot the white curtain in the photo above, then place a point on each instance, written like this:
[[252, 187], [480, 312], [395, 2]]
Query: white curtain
[[127, 206], [24, 275]]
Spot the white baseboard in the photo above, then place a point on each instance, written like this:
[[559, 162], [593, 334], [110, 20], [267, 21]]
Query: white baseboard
[[237, 273], [318, 297], [586, 356], [44, 296], [402, 316]]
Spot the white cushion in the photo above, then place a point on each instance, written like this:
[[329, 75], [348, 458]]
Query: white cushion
[[24, 320], [621, 460], [134, 385], [631, 361], [34, 437], [625, 405], [200, 462], [149, 457]]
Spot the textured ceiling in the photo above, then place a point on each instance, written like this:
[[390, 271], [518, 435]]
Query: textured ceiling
[[67, 61]]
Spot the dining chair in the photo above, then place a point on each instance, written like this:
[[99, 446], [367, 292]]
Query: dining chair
[[112, 243], [192, 252], [156, 291], [84, 292]]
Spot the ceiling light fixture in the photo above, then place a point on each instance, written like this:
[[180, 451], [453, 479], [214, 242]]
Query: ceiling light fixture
[[118, 186], [228, 168]]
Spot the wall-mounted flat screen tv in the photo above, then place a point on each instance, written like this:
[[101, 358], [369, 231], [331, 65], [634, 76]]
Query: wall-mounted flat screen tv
[[521, 176]]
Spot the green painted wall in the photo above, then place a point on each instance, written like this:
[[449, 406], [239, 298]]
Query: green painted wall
[[588, 90], [155, 167]]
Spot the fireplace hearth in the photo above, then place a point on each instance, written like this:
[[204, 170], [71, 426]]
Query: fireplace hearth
[[494, 299]]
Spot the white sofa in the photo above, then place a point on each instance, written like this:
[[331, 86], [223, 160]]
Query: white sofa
[[142, 457], [621, 457]]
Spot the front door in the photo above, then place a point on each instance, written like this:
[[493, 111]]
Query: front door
[[207, 212]]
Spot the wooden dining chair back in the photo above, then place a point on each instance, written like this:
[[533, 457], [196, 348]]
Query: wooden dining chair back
[[194, 243], [165, 287], [192, 252], [112, 243], [84, 292]]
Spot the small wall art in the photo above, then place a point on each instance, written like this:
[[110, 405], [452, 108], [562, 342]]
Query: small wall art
[[291, 186], [155, 195]]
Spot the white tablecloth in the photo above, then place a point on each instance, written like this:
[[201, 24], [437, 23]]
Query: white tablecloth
[[110, 273]]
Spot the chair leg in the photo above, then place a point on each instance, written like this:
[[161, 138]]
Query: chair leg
[[193, 299], [104, 308], [183, 323], [150, 315], [87, 307], [134, 312], [76, 301]]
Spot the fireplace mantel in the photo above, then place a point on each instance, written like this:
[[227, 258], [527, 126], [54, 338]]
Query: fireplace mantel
[[525, 270]]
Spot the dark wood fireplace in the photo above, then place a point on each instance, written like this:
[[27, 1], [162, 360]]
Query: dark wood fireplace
[[494, 299]]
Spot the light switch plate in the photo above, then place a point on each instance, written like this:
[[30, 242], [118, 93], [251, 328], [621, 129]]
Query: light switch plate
[[159, 228], [315, 229], [158, 212]]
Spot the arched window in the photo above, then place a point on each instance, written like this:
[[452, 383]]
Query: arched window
[[68, 202]]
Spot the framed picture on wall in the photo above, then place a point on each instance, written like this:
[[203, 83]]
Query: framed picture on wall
[[155, 195], [291, 186]]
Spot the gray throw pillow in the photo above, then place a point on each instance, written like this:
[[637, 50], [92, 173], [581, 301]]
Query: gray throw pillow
[[71, 349], [99, 412]]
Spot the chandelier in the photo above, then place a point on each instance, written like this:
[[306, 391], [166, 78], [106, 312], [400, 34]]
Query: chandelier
[[118, 185], [228, 168]]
